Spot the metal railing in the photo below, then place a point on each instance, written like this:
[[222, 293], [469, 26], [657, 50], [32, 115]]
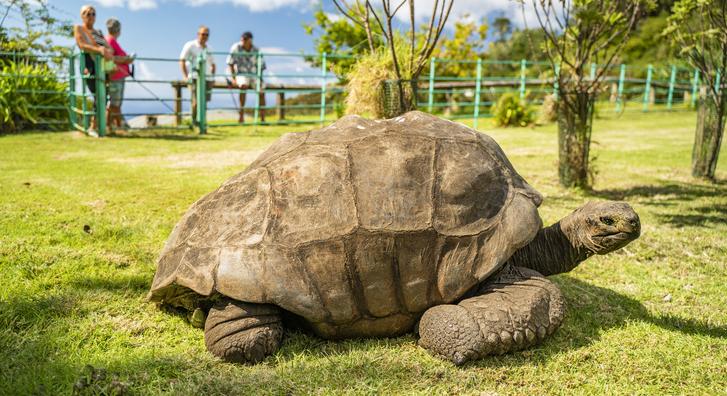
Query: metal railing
[[455, 89]]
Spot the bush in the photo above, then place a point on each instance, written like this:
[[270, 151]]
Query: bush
[[365, 81], [509, 111], [26, 90]]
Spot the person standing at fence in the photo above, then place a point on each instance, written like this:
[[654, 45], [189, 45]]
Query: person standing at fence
[[188, 62], [242, 62], [117, 79], [91, 41]]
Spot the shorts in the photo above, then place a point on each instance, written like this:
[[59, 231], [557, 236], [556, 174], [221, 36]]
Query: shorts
[[116, 92], [251, 82], [193, 89]]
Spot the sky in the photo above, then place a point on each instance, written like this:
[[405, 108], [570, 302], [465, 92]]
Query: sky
[[159, 29]]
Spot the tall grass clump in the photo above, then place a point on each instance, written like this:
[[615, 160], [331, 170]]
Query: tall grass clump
[[26, 92], [548, 110], [366, 79]]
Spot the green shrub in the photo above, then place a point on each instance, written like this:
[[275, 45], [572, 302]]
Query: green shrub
[[26, 92], [510, 111]]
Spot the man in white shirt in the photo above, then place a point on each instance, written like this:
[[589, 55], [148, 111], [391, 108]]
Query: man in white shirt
[[188, 62], [242, 63]]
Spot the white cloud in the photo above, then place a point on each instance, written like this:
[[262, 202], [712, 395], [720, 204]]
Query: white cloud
[[475, 9], [257, 5], [110, 3], [333, 17], [144, 72], [133, 5]]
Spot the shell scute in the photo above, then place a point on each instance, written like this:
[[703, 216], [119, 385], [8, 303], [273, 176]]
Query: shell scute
[[395, 196]]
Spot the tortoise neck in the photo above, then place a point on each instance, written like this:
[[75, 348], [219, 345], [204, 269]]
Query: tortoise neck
[[554, 250]]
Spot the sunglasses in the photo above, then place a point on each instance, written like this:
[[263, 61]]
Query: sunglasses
[[90, 14], [204, 34]]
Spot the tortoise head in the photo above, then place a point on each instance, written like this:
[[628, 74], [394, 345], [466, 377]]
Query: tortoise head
[[604, 226]]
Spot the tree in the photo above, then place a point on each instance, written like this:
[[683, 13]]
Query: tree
[[646, 45], [699, 28], [419, 47], [578, 33], [467, 43], [37, 30], [503, 27], [340, 37], [34, 92], [522, 44]]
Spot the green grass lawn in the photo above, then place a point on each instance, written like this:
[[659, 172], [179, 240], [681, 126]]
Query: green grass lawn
[[82, 221]]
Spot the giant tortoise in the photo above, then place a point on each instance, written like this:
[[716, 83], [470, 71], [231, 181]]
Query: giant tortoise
[[376, 228]]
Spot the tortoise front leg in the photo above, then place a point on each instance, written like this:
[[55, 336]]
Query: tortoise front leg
[[243, 332], [515, 310]]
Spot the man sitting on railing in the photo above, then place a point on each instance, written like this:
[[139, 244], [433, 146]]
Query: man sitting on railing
[[242, 62], [188, 61]]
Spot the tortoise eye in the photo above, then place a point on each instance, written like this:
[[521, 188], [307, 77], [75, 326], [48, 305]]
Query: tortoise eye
[[607, 221]]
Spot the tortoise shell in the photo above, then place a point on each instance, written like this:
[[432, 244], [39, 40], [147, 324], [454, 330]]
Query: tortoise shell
[[357, 227]]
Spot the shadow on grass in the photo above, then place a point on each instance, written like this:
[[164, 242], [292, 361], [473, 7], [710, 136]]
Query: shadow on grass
[[35, 360], [671, 191], [701, 201], [592, 309]]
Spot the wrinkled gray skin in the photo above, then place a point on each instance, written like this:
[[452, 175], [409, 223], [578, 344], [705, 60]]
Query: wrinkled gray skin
[[519, 307], [366, 228]]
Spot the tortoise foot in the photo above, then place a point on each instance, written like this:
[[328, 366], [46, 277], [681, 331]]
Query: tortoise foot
[[243, 333], [450, 332], [516, 310]]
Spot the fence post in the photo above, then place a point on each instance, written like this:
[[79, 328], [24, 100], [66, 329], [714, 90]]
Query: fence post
[[619, 93], [100, 97], [556, 81], [258, 86], [72, 91], [323, 87], [477, 92], [202, 92], [431, 84], [84, 107], [695, 87], [672, 80], [523, 70], [647, 88]]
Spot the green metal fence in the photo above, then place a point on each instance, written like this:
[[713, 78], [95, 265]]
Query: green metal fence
[[454, 89]]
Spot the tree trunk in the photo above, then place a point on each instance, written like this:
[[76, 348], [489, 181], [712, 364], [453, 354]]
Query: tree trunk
[[398, 97], [575, 122], [708, 136]]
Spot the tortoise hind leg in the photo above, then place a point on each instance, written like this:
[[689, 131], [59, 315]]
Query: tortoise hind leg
[[243, 332], [515, 310]]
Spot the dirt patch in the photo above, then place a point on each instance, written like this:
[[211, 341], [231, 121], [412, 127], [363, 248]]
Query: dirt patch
[[71, 155], [217, 159]]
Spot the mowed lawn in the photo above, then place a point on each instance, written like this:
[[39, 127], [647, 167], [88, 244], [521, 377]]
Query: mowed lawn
[[82, 221]]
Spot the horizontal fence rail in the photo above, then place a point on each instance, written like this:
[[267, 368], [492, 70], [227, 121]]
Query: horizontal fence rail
[[289, 90]]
